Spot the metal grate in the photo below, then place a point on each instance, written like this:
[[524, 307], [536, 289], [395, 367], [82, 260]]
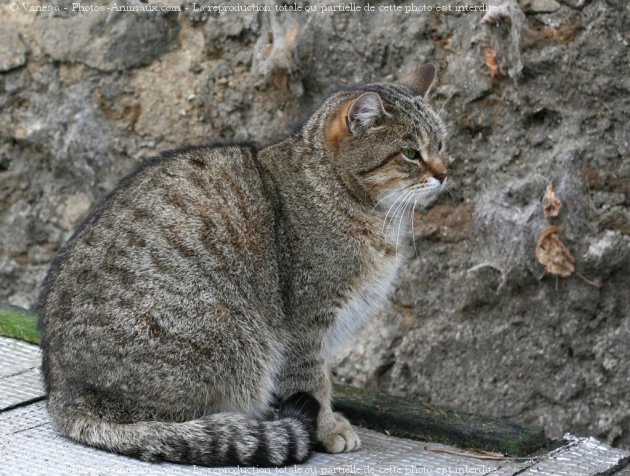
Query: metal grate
[[23, 387], [16, 357], [579, 456], [20, 379]]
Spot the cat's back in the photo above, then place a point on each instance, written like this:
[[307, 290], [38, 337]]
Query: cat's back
[[188, 222]]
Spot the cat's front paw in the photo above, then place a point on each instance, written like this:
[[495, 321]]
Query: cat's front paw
[[336, 435]]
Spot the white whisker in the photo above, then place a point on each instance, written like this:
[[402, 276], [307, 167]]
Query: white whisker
[[413, 212], [389, 210], [401, 203], [402, 217], [384, 198], [448, 190]]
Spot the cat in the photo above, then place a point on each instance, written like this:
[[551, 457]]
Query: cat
[[215, 280]]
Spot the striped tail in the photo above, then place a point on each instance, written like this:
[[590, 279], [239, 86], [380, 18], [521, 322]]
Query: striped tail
[[219, 439]]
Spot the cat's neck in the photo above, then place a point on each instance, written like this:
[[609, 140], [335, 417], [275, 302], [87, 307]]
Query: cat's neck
[[295, 167], [309, 181]]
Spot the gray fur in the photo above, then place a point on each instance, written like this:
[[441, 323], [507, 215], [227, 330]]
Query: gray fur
[[214, 278]]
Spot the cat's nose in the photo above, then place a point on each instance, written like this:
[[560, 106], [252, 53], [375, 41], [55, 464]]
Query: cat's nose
[[441, 176]]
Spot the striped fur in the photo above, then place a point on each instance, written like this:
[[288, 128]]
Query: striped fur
[[216, 279], [219, 439]]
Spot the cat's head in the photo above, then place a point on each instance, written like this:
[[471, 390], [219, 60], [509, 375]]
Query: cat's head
[[387, 142]]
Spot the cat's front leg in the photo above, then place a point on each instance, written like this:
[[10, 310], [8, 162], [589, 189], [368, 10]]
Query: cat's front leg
[[309, 373]]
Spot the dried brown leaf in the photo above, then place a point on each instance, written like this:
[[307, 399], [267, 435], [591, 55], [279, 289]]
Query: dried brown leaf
[[553, 254], [551, 203]]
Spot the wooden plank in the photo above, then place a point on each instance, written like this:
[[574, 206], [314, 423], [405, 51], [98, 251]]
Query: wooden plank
[[420, 421]]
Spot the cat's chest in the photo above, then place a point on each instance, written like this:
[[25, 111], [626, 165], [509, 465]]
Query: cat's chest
[[363, 300]]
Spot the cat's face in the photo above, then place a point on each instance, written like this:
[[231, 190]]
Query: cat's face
[[389, 143]]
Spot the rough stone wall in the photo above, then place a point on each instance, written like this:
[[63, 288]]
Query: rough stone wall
[[535, 93]]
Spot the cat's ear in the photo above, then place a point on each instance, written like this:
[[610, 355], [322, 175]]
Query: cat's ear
[[420, 79], [365, 111]]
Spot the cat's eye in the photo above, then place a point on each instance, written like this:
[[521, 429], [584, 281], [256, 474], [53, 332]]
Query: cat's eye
[[440, 146], [411, 154]]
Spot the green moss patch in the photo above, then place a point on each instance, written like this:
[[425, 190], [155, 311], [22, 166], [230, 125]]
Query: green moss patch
[[19, 325]]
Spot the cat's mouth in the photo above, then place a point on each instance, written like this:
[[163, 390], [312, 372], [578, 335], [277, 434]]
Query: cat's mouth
[[429, 194]]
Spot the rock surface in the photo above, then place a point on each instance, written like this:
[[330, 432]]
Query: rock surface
[[104, 41], [12, 48], [540, 6], [531, 99]]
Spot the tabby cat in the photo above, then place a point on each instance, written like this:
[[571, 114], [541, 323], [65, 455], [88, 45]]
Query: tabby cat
[[216, 280]]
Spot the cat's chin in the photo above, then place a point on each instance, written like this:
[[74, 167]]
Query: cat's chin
[[428, 200]]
